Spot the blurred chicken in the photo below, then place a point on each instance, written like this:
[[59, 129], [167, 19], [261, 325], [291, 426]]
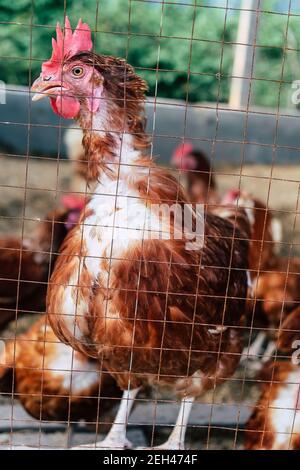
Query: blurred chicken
[[52, 381], [200, 181], [275, 422], [265, 286], [265, 230], [274, 308], [19, 262], [278, 291], [26, 265]]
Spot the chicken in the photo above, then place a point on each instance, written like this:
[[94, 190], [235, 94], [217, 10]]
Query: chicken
[[263, 260], [25, 264], [275, 422], [52, 381], [276, 296], [22, 276], [278, 291], [265, 230], [200, 181], [153, 306]]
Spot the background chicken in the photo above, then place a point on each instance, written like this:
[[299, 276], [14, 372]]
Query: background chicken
[[276, 296], [54, 382], [265, 299], [151, 309], [278, 291], [265, 231], [25, 265], [195, 166], [275, 422]]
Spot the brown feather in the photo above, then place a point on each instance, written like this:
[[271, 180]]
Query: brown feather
[[47, 392], [264, 431]]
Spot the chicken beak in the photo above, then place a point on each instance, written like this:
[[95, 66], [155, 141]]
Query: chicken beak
[[43, 88], [38, 88]]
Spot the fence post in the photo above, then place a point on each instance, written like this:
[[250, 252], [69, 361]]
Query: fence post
[[241, 72]]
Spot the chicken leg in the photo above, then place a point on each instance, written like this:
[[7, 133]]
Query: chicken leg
[[116, 438], [269, 352], [177, 436], [254, 351]]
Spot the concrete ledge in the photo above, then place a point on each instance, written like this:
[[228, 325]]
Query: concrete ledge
[[146, 415], [28, 128]]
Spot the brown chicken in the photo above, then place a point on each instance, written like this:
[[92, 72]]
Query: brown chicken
[[21, 279], [276, 296], [278, 291], [153, 306], [75, 153], [275, 422], [200, 180], [265, 230], [268, 274], [26, 265], [52, 381]]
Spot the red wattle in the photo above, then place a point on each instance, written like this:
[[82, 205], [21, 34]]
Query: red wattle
[[73, 201], [65, 106]]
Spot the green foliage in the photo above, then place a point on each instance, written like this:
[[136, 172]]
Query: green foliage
[[183, 52], [277, 65]]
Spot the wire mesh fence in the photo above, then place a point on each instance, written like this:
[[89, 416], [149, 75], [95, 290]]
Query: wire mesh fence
[[109, 320]]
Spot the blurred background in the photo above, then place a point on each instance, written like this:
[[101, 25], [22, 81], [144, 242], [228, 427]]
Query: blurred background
[[174, 37]]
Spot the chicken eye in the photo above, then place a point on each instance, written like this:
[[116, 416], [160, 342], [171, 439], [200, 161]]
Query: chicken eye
[[77, 71]]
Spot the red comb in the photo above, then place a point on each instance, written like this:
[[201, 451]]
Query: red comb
[[182, 157], [73, 201], [230, 196], [182, 150], [68, 44]]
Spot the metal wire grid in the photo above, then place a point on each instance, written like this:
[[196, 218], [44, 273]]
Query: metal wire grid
[[244, 379]]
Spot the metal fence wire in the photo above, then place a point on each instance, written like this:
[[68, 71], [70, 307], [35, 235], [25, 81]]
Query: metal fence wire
[[101, 335]]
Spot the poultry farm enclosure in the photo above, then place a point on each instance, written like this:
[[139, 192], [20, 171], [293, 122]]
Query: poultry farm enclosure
[[226, 128]]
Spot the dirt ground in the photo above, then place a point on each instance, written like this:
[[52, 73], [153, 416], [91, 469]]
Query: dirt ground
[[30, 188]]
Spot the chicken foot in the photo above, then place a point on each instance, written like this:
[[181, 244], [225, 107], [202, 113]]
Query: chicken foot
[[269, 352], [177, 437], [116, 437], [253, 352]]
